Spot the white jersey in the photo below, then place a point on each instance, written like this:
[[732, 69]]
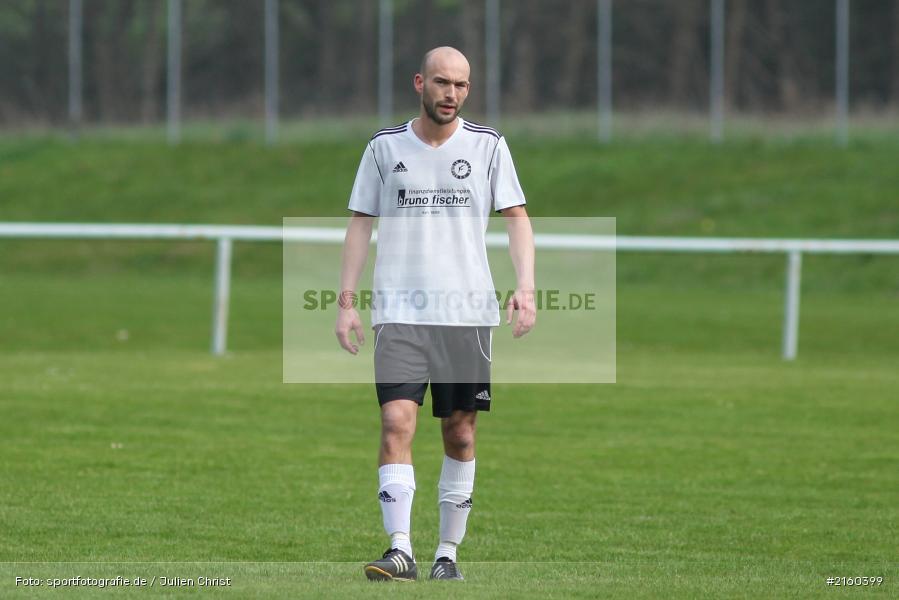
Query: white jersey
[[434, 203]]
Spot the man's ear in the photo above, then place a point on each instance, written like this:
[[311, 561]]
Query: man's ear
[[418, 82]]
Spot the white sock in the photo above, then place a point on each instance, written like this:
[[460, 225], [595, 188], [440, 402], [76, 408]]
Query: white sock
[[447, 549], [396, 489], [401, 541], [454, 497]]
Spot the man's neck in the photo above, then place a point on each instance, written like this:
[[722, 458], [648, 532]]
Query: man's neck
[[431, 133]]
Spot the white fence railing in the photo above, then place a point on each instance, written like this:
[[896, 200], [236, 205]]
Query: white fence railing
[[225, 235]]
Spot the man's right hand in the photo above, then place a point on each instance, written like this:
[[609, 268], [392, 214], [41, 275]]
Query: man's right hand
[[348, 320]]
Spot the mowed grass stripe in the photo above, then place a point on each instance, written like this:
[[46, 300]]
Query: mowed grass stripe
[[704, 471]]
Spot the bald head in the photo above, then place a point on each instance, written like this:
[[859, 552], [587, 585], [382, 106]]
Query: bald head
[[443, 84], [444, 58]]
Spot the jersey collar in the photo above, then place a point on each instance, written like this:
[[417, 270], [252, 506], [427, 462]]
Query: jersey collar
[[433, 148]]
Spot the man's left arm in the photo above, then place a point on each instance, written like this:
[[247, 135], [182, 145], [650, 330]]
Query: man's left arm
[[521, 248]]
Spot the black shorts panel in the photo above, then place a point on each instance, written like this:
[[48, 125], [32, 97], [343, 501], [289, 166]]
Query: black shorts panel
[[401, 391], [449, 397], [454, 360]]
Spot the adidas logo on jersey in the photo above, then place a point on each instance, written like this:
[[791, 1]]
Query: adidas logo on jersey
[[485, 395], [400, 168], [385, 497], [466, 504]]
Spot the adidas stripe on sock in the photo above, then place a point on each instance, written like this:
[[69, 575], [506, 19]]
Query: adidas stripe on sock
[[455, 488], [395, 493]]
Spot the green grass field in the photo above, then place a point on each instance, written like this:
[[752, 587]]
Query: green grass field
[[711, 469]]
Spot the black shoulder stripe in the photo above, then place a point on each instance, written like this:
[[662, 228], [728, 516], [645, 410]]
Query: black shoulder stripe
[[486, 131], [396, 129], [479, 126], [380, 133], [400, 126]]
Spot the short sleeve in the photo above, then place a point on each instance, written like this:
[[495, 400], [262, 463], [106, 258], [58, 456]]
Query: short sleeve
[[504, 184], [366, 194]]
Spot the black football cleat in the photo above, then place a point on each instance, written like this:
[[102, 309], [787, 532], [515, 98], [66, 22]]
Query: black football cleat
[[395, 565], [445, 568]]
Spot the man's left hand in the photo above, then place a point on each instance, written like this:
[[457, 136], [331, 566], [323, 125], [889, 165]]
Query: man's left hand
[[523, 302]]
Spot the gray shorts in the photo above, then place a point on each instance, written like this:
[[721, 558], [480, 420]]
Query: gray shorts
[[454, 360]]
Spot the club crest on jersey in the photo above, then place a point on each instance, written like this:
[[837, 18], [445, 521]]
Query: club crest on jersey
[[461, 169]]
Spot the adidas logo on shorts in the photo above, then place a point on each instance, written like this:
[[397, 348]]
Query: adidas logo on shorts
[[400, 168], [485, 395], [385, 497]]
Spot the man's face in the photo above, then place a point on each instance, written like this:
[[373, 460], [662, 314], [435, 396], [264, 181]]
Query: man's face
[[443, 93]]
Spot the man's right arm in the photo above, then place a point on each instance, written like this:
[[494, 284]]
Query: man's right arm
[[355, 253]]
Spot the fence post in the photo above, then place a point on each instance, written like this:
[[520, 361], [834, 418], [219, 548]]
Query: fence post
[[491, 47], [271, 71], [604, 65], [75, 69], [791, 305], [842, 71], [385, 62], [222, 296], [173, 75], [716, 71]]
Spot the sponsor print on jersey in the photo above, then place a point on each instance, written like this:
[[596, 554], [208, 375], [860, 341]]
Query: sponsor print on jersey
[[449, 197], [461, 169]]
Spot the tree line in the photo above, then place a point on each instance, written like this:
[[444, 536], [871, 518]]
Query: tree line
[[779, 55]]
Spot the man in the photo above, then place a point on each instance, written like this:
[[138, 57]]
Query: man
[[434, 182]]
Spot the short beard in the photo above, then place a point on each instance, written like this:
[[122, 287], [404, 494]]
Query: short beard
[[431, 111]]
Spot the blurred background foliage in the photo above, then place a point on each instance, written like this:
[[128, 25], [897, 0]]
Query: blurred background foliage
[[779, 56]]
